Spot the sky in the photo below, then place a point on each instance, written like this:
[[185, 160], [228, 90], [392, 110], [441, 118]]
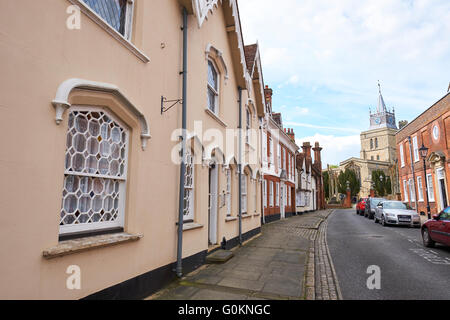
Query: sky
[[324, 58]]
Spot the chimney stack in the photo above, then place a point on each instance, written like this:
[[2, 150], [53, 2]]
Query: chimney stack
[[317, 156], [307, 149], [291, 134], [268, 94]]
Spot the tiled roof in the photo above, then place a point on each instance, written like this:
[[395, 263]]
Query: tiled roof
[[250, 55], [277, 118]]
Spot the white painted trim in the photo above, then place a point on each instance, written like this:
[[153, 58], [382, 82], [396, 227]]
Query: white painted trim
[[61, 102]]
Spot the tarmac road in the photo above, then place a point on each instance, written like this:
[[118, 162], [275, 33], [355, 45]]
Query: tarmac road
[[409, 271]]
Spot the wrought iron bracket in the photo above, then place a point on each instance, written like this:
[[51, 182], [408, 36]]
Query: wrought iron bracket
[[173, 103]]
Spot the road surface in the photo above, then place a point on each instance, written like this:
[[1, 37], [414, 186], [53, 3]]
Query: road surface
[[408, 270]]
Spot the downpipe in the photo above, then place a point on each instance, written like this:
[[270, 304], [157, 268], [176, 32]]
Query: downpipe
[[179, 267]]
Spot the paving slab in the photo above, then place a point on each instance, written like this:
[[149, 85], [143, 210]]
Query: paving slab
[[271, 266]]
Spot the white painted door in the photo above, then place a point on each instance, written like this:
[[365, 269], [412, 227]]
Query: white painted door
[[443, 201], [282, 200], [213, 179]]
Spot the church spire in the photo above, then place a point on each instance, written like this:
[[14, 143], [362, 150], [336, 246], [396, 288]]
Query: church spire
[[381, 105]]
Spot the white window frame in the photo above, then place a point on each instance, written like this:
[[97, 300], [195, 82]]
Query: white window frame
[[271, 194], [411, 190], [430, 188], [120, 221], [244, 208], [247, 125], [420, 188], [265, 193], [416, 149], [255, 196], [277, 196], [279, 156], [402, 155], [288, 204], [405, 191], [209, 87]]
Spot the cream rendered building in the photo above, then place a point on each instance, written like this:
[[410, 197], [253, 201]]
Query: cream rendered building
[[90, 179], [378, 151]]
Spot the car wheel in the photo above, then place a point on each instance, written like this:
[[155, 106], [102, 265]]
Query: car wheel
[[375, 219], [383, 221], [427, 241]]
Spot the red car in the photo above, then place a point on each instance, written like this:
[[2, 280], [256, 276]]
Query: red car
[[437, 229], [361, 206]]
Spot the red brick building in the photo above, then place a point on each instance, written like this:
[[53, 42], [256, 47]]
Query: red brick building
[[432, 129]]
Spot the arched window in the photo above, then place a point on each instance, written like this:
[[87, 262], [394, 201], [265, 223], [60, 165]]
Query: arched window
[[371, 143], [213, 88], [188, 212], [376, 142], [95, 171]]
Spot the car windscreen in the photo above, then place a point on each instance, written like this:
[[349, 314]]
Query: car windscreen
[[375, 202], [394, 205]]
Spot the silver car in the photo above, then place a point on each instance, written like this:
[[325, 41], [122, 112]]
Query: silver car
[[396, 213]]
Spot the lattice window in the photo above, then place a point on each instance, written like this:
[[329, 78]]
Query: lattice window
[[188, 211], [213, 88], [228, 192], [117, 13], [95, 171], [277, 195], [430, 188]]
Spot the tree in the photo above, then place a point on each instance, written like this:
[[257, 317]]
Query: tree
[[350, 176], [382, 187], [326, 183]]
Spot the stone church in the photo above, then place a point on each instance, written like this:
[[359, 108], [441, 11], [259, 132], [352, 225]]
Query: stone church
[[377, 152]]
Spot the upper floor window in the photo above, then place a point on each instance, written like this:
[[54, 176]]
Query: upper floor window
[[402, 156], [279, 156], [416, 149], [371, 143], [376, 142], [95, 172], [117, 13], [213, 88], [247, 125]]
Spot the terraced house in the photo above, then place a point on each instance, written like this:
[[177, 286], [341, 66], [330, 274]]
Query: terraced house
[[90, 120]]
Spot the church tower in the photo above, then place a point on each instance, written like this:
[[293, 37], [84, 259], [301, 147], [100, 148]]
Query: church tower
[[378, 143]]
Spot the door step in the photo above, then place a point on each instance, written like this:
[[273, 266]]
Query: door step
[[219, 256]]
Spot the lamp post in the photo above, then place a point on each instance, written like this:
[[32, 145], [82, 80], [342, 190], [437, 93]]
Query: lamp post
[[423, 153]]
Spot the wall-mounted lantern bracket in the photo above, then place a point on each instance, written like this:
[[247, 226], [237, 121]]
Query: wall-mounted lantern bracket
[[164, 101]]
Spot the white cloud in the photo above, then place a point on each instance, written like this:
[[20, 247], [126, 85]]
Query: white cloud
[[335, 149], [348, 45], [314, 126]]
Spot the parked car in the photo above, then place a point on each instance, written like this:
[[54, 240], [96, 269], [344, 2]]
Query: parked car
[[396, 213], [437, 229], [361, 206], [371, 204]]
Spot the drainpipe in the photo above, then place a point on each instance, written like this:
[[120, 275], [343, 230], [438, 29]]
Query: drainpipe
[[414, 176], [240, 165], [179, 268]]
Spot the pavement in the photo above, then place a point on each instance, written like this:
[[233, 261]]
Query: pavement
[[407, 269], [289, 260]]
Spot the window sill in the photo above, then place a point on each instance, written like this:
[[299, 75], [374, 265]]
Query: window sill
[[215, 117], [229, 219], [68, 247], [245, 216], [191, 226], [256, 214], [105, 26]]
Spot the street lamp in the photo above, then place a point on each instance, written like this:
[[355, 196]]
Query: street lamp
[[423, 153]]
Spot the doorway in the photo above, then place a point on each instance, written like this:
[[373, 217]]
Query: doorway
[[282, 200], [212, 209], [443, 201]]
